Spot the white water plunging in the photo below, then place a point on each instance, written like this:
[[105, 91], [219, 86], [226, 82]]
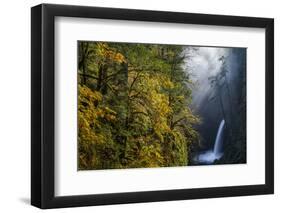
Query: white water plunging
[[218, 143], [210, 156]]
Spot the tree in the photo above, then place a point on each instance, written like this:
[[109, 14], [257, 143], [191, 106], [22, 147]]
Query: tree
[[133, 106]]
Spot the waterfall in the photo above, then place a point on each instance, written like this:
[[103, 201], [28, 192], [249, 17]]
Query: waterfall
[[218, 142], [216, 153]]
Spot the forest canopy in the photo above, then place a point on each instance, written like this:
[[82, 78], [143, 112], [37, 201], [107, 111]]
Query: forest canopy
[[134, 106]]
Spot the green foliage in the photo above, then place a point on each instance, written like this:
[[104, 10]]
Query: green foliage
[[133, 106]]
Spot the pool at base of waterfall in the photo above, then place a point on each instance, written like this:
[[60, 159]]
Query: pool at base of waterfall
[[207, 157]]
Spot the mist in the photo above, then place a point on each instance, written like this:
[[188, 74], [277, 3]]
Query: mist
[[218, 83], [202, 64]]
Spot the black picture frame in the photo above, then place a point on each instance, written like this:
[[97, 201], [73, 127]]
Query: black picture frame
[[43, 105]]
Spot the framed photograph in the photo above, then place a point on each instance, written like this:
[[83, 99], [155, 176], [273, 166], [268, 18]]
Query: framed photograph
[[139, 106]]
